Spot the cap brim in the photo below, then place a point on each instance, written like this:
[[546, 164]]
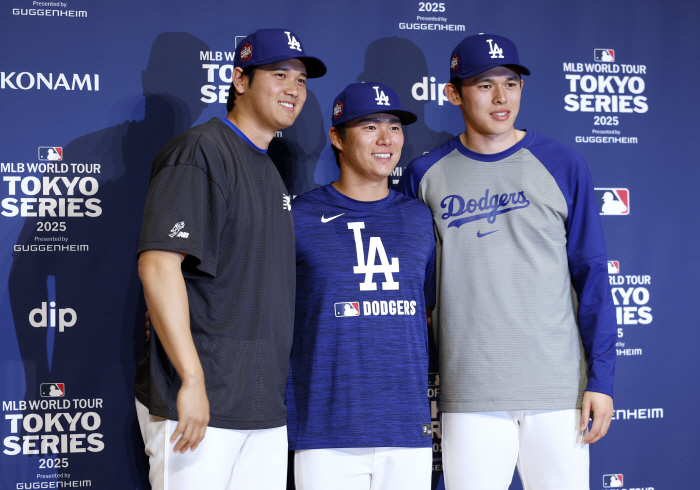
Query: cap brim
[[482, 68], [406, 117], [314, 67]]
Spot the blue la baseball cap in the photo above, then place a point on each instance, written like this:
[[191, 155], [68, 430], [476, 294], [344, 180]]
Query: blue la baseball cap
[[362, 99], [477, 54], [267, 46]]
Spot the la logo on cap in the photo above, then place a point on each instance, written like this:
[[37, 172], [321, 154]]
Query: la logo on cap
[[381, 98], [292, 41], [337, 110], [495, 51], [246, 52]]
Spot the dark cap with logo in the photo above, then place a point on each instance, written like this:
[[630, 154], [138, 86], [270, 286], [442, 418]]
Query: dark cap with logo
[[477, 54], [266, 46], [363, 99]]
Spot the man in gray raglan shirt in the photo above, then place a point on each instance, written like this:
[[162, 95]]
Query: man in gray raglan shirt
[[525, 322]]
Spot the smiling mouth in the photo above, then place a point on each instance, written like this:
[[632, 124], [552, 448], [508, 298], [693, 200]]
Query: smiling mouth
[[500, 115], [381, 155], [287, 105]]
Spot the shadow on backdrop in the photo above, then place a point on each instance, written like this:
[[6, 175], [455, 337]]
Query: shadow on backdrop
[[97, 357], [399, 63], [297, 151]]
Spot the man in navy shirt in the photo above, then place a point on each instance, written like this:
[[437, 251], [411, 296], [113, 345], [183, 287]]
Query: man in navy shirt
[[216, 259], [358, 413]]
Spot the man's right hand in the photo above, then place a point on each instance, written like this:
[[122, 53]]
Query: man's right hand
[[192, 414]]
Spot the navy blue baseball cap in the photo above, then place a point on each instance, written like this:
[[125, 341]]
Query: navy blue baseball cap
[[266, 46], [363, 99], [477, 54]]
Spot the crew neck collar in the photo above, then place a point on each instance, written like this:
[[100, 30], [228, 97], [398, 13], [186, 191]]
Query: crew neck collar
[[242, 135], [493, 157]]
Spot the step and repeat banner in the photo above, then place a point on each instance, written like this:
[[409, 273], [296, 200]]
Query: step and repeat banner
[[90, 91]]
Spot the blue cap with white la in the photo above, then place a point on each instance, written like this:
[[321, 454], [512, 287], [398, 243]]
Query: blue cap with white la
[[362, 99], [266, 46], [477, 54]]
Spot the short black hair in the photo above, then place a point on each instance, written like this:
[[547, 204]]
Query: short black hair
[[340, 128], [457, 82], [248, 71]]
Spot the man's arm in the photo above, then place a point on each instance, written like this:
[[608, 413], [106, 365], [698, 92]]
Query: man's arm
[[596, 314], [166, 298]]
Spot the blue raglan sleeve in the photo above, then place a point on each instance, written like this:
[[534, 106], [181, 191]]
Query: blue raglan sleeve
[[589, 272], [414, 172], [410, 180], [587, 263]]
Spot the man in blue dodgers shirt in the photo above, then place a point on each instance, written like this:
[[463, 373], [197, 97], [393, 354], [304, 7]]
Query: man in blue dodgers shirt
[[526, 326], [357, 405], [216, 258]]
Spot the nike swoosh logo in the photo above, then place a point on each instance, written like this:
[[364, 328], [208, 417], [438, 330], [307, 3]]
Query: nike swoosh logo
[[326, 220], [479, 234]]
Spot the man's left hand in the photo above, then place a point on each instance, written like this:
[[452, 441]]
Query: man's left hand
[[599, 407]]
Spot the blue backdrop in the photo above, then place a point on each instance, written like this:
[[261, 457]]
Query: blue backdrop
[[89, 92]]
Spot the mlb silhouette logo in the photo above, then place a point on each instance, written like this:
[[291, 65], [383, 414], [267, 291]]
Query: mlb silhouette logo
[[50, 153], [605, 55], [53, 390], [613, 267], [347, 309], [613, 201], [612, 481]]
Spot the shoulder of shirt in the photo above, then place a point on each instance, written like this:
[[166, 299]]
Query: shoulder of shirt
[[547, 149], [308, 199], [310, 196], [415, 205], [422, 163], [203, 138]]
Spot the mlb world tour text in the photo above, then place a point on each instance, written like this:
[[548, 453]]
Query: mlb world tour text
[[71, 429], [618, 90]]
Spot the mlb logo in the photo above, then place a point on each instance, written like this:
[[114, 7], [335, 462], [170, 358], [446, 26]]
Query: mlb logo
[[613, 267], [604, 55], [613, 201], [52, 390], [50, 153], [347, 309], [246, 52], [337, 110], [612, 481]]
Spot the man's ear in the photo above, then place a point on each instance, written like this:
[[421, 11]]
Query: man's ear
[[335, 138], [239, 80], [452, 94]]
